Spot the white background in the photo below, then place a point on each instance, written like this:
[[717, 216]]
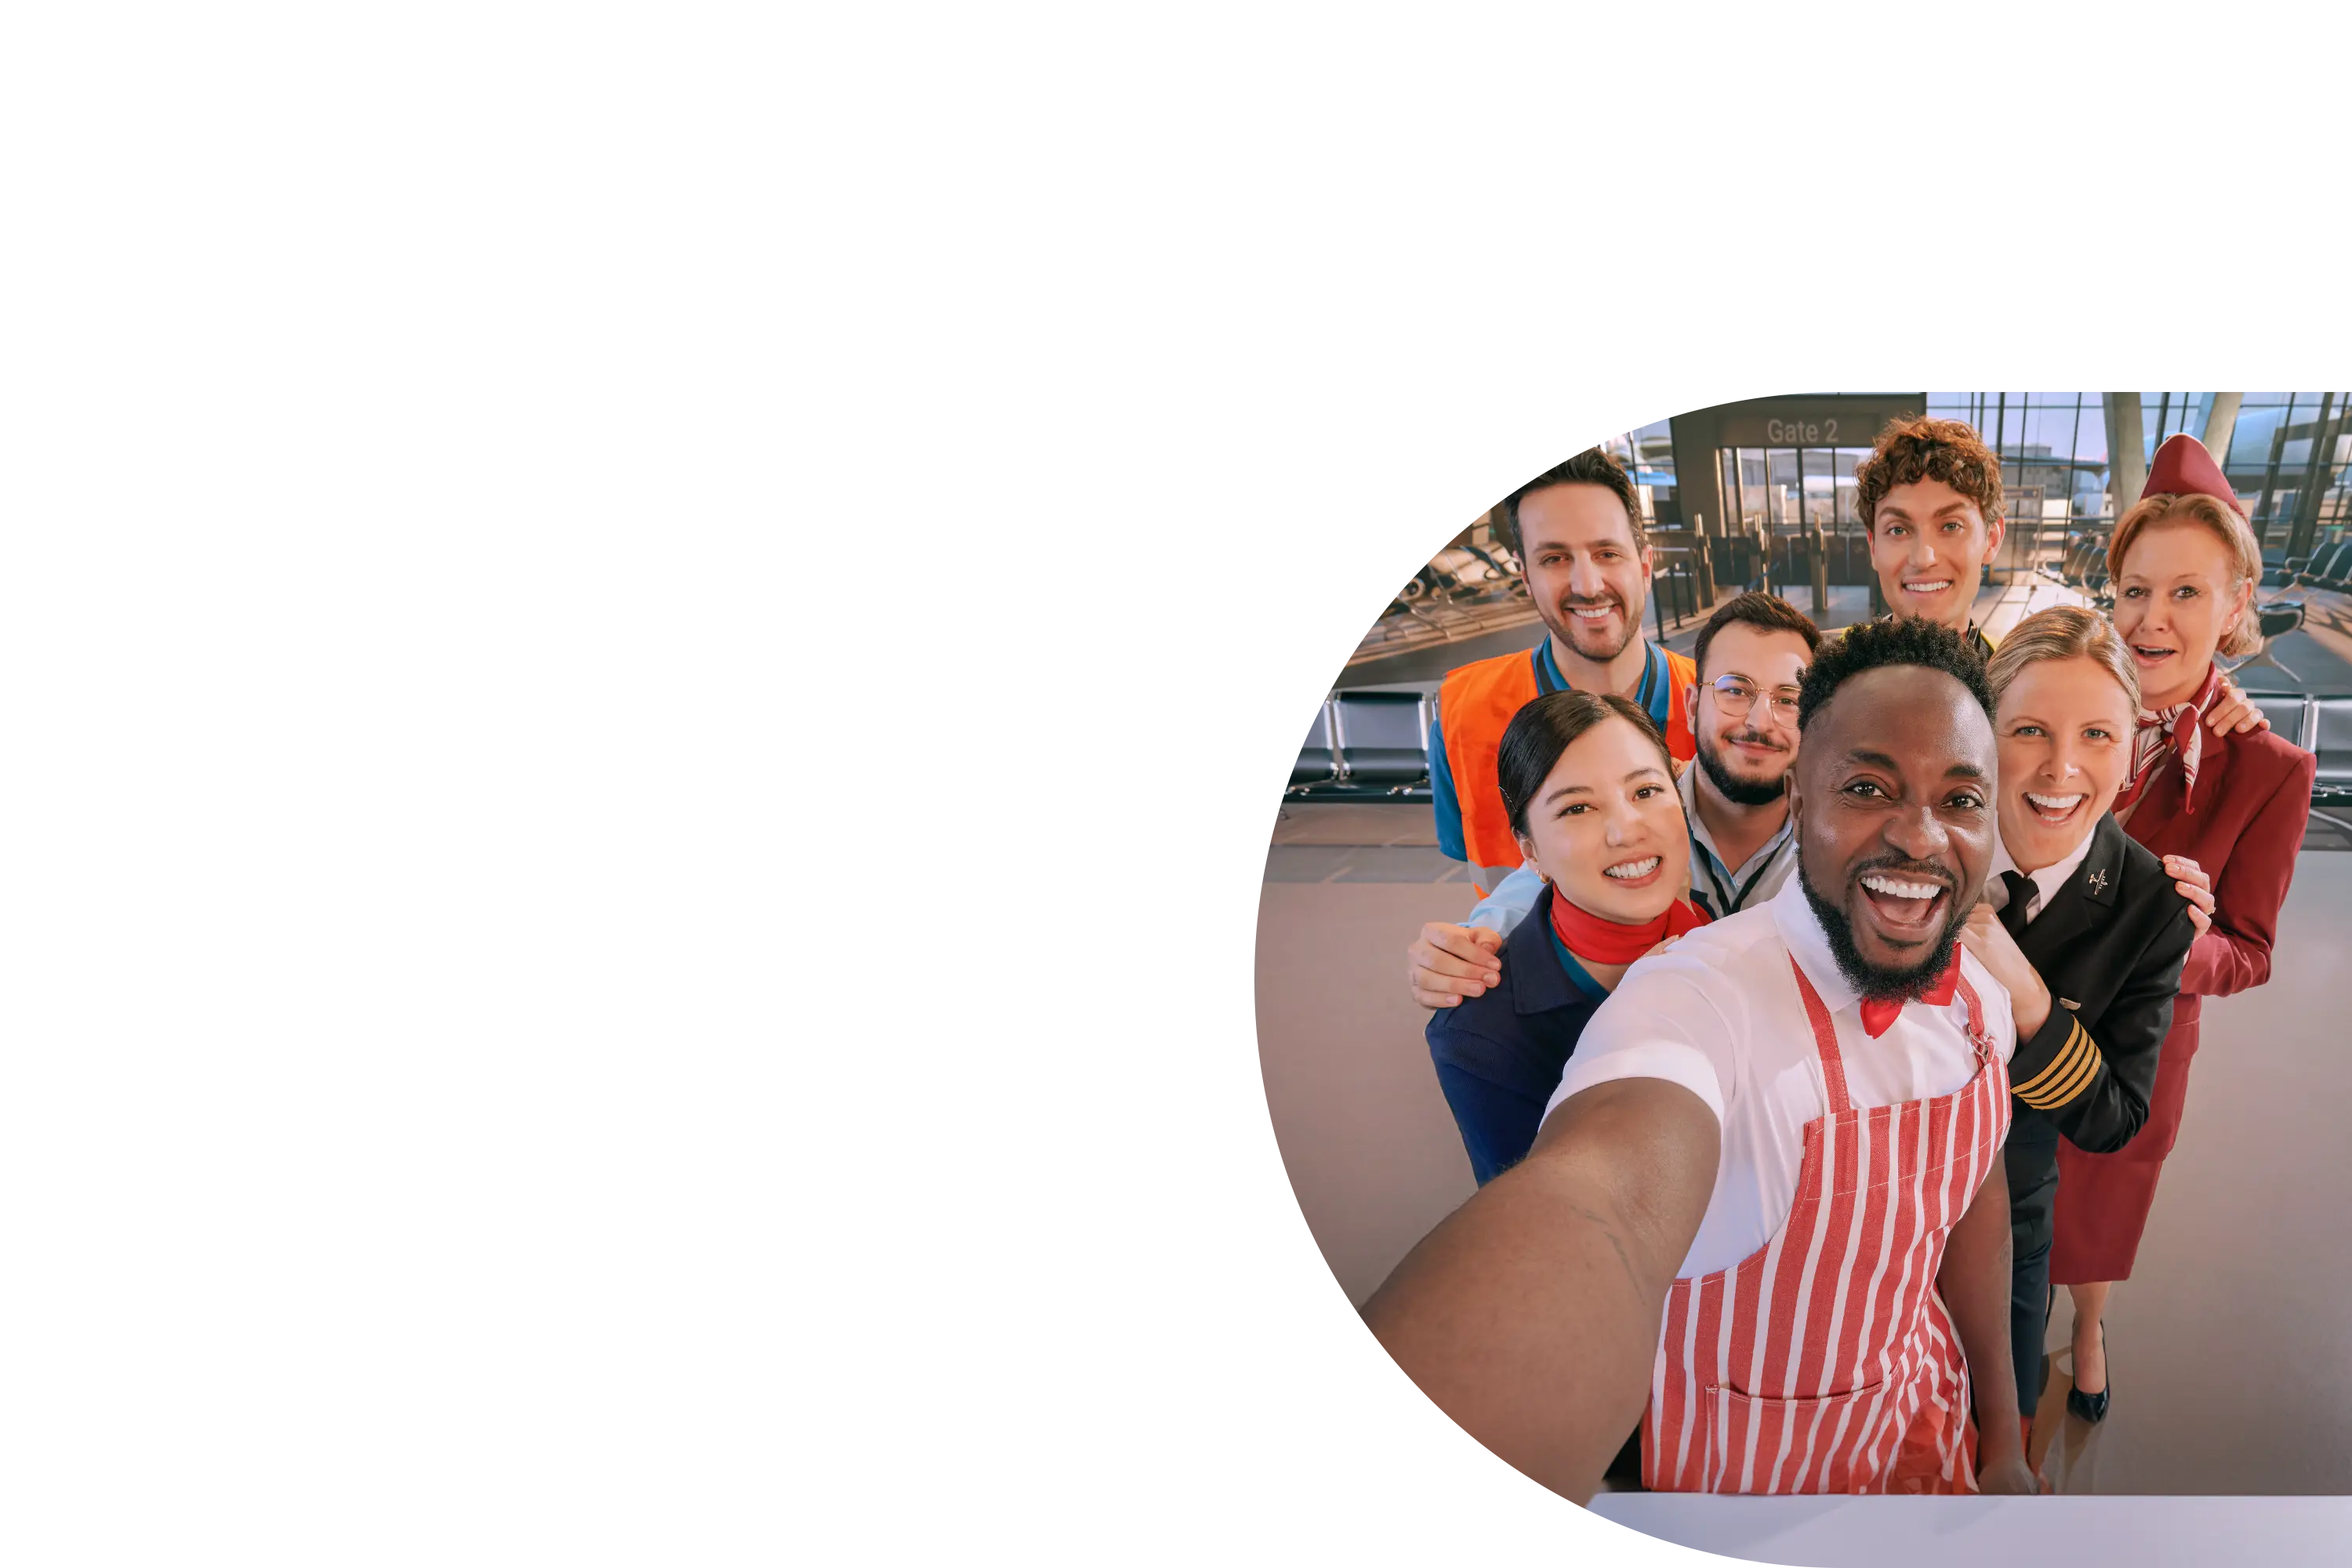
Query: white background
[[646, 657]]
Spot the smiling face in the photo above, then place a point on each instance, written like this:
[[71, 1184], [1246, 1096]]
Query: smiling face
[[2065, 729], [1894, 822], [1587, 580], [1746, 754], [1928, 544], [2175, 599], [1607, 826]]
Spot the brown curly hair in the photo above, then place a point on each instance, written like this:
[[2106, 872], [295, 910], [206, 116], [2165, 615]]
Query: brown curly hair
[[1909, 450]]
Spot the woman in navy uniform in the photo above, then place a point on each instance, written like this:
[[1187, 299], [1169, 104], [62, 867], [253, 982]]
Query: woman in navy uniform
[[2085, 928], [1589, 790]]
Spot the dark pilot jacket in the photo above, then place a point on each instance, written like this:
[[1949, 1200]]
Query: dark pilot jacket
[[2109, 945]]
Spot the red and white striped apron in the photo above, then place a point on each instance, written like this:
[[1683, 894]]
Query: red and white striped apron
[[1825, 1362]]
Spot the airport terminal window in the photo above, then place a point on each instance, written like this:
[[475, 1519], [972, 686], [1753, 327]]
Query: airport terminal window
[[2055, 444], [2166, 413]]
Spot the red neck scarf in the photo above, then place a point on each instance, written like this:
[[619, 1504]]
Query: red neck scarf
[[1599, 941], [2179, 730], [1877, 1016]]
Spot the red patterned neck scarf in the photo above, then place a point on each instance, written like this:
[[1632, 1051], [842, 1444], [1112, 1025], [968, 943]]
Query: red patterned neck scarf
[[1599, 941], [2178, 730]]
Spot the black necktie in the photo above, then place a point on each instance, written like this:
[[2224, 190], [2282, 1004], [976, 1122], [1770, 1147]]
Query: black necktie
[[2012, 914]]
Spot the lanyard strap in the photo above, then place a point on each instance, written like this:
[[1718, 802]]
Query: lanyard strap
[[1707, 863]]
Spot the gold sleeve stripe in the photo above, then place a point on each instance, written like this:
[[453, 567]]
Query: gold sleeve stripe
[[2088, 1068], [2070, 1074], [2060, 1065], [2078, 1063]]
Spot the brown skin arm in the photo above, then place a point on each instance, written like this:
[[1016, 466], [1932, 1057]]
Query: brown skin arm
[[1531, 1314], [1974, 1282]]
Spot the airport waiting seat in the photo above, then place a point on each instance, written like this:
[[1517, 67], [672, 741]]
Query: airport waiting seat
[[1367, 745], [1381, 737], [2287, 712], [2338, 578], [2090, 560], [1318, 759], [2321, 561], [2272, 621], [2332, 738], [2279, 568]]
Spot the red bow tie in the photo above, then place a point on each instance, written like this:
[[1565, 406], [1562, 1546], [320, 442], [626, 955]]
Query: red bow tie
[[1877, 1016]]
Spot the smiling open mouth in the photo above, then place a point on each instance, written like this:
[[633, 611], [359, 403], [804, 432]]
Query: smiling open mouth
[[2147, 655], [1593, 612], [1929, 585], [1905, 906], [1635, 873], [2054, 810]]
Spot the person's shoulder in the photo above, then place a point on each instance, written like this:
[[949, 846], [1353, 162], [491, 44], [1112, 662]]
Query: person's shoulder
[[1725, 950], [1490, 1018], [2266, 753], [1735, 936], [2144, 891], [1499, 664], [1684, 667], [1990, 995], [2140, 873]]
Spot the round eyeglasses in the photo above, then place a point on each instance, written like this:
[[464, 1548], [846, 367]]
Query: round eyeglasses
[[1736, 695]]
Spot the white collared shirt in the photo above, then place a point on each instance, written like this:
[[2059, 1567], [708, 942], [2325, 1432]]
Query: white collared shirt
[[1719, 1014], [2046, 881], [1721, 890]]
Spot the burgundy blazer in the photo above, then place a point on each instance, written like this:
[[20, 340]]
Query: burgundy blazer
[[2243, 825]]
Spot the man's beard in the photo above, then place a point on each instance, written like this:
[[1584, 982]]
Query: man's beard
[[1564, 623], [1734, 789], [1874, 982]]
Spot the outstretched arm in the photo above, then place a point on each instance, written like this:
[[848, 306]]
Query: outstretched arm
[[1531, 1314]]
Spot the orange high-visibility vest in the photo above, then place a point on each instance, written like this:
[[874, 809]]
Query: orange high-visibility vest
[[1475, 706]]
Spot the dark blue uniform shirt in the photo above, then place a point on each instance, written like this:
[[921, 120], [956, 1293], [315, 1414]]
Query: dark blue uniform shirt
[[1501, 1056]]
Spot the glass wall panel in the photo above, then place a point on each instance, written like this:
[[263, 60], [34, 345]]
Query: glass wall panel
[[2154, 410], [2091, 430], [1753, 507], [2250, 442], [2049, 428], [1783, 486], [1848, 459], [1821, 486]]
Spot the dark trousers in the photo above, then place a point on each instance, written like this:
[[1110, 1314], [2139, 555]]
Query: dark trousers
[[2030, 1157]]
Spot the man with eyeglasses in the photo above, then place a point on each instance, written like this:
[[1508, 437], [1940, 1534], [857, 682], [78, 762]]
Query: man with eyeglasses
[[1751, 653], [1742, 713]]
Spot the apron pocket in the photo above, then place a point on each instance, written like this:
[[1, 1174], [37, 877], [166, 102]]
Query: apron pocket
[[1783, 1445]]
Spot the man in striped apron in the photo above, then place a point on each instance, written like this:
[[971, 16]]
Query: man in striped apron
[[1766, 1218]]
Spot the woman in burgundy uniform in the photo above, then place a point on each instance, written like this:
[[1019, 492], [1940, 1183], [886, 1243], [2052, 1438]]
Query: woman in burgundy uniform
[[2226, 813]]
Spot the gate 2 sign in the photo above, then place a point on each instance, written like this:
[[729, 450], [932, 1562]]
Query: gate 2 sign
[[1800, 433], [1826, 421]]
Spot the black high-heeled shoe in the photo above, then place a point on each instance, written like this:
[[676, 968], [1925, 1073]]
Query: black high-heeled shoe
[[2092, 1408]]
